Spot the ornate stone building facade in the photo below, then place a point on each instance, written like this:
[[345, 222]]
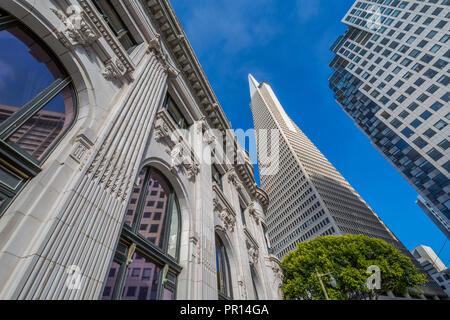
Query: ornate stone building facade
[[128, 199]]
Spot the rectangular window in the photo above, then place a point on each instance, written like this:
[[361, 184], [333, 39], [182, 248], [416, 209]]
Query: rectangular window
[[217, 176], [115, 22], [175, 113]]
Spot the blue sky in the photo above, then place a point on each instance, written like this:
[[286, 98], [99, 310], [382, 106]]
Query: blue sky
[[286, 43]]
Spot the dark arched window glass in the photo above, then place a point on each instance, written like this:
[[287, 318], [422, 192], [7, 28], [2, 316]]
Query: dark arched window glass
[[223, 271], [37, 104], [145, 266]]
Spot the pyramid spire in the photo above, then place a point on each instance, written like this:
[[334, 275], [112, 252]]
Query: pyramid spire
[[253, 85]]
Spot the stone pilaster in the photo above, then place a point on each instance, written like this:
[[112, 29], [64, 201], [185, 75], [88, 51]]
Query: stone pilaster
[[84, 233]]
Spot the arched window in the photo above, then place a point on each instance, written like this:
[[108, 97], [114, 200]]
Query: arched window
[[145, 266], [37, 105], [223, 271]]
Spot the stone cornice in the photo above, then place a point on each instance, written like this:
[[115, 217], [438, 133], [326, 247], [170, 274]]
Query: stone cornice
[[175, 40], [172, 34], [255, 191]]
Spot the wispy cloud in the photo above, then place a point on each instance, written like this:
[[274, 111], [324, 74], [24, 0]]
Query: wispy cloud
[[230, 26], [6, 74], [308, 9]]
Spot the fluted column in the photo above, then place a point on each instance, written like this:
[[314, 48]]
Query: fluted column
[[87, 229]]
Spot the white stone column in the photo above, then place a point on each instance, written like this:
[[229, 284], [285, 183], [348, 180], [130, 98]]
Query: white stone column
[[85, 231]]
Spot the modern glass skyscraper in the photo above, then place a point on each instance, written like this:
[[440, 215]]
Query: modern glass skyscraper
[[391, 77], [308, 196]]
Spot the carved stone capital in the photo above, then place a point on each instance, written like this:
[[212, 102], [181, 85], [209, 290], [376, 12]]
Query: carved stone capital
[[233, 178], [192, 169], [114, 70], [253, 212], [77, 28], [156, 47], [228, 219], [177, 157], [253, 253], [225, 215], [208, 138]]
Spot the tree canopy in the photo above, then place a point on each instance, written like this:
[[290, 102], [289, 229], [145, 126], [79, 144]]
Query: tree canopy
[[347, 259]]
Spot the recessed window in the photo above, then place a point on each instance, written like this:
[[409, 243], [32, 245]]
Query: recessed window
[[407, 132], [176, 114], [434, 154], [441, 124], [115, 22], [444, 145], [217, 176], [436, 106], [426, 115], [416, 123], [429, 133], [420, 143]]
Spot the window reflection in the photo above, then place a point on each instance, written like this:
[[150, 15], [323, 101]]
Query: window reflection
[[111, 281], [155, 207], [141, 282], [152, 226], [223, 271], [40, 132], [25, 70], [132, 206], [116, 24]]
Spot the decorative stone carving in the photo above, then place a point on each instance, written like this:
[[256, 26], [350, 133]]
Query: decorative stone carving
[[209, 138], [253, 253], [182, 158], [225, 215], [114, 70], [278, 272], [232, 178], [78, 28], [81, 150], [192, 170], [228, 219], [177, 155], [253, 213], [84, 26], [163, 133], [155, 46]]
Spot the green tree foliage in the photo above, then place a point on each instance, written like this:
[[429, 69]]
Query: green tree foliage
[[347, 259]]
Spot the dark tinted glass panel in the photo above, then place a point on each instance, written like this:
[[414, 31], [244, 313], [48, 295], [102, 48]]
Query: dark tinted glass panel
[[140, 285], [8, 178], [111, 281], [176, 115], [26, 69], [223, 270], [113, 19], [156, 202], [40, 132], [132, 206]]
